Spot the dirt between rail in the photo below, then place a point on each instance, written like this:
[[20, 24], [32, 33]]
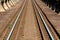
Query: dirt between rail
[[27, 28]]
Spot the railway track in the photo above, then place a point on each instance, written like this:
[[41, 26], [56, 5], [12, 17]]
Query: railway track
[[52, 35], [9, 18], [30, 24], [19, 32], [52, 24], [52, 18], [13, 26], [44, 24]]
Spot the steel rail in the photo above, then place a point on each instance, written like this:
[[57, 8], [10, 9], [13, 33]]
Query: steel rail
[[11, 31], [44, 22]]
